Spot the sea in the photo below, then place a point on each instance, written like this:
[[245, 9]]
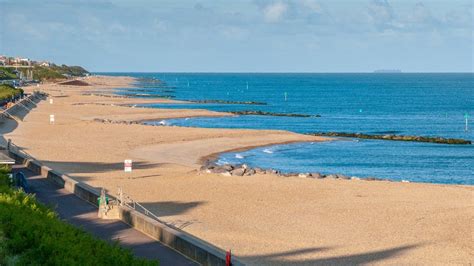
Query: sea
[[425, 104]]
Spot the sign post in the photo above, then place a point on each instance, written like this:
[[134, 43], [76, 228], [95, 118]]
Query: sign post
[[127, 166]]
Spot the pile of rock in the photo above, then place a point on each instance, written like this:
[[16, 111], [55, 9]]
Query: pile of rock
[[104, 95], [245, 170], [110, 121], [252, 112], [231, 170], [228, 102], [439, 140]]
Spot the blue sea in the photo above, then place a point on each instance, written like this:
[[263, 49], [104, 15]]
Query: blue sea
[[373, 103]]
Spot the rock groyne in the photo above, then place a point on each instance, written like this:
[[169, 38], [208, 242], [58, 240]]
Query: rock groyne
[[228, 102], [245, 170], [439, 140], [251, 112]]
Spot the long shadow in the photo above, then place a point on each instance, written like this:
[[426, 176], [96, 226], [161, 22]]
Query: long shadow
[[95, 167], [284, 258], [6, 126], [171, 208]]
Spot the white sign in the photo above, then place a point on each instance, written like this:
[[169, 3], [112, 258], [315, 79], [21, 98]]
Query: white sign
[[50, 101], [51, 119], [127, 166]]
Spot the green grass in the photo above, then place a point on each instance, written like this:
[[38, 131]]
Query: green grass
[[46, 73], [7, 91], [55, 72], [7, 73], [32, 234]]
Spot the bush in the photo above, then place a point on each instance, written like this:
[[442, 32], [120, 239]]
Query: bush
[[32, 234], [7, 73], [8, 91]]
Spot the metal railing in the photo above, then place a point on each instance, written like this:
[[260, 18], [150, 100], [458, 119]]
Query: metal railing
[[125, 200]]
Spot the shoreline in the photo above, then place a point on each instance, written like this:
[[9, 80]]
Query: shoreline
[[213, 157], [305, 221]]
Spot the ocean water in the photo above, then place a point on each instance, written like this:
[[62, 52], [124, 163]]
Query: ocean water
[[405, 104]]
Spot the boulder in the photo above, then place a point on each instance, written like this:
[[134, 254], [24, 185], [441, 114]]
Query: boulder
[[340, 176], [273, 171], [218, 170], [226, 174], [250, 171], [316, 175], [371, 178], [304, 175], [228, 167], [238, 172], [289, 174], [332, 176], [259, 170]]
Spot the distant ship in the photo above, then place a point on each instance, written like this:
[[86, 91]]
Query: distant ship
[[388, 71]]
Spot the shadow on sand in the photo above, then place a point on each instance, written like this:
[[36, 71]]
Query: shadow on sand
[[96, 167], [284, 258]]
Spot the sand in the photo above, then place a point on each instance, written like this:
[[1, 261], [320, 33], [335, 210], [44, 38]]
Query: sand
[[264, 219]]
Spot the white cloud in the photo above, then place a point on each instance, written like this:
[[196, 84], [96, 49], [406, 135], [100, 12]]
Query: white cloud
[[382, 16], [274, 12]]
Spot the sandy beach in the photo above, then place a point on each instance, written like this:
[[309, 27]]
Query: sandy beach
[[264, 219]]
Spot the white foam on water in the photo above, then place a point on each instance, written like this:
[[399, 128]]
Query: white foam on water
[[222, 161], [267, 151], [239, 156]]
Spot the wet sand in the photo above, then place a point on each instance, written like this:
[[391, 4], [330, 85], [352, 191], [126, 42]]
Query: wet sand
[[264, 219]]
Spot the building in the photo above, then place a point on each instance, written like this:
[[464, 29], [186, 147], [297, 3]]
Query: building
[[44, 64]]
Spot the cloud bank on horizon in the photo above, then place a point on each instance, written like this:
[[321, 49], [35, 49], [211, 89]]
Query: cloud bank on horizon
[[242, 36]]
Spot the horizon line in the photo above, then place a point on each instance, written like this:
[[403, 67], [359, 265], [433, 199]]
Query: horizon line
[[279, 72]]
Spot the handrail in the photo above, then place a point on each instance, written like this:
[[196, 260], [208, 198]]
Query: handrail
[[125, 200]]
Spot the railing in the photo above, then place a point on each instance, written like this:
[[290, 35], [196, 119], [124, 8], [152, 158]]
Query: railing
[[120, 198], [125, 200]]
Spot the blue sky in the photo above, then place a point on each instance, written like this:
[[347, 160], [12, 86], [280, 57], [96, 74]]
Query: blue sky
[[242, 36]]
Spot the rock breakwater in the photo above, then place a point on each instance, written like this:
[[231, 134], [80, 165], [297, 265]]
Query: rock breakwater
[[439, 140], [251, 112], [228, 102], [245, 170]]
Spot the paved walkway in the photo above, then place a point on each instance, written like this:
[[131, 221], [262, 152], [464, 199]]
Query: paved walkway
[[82, 214]]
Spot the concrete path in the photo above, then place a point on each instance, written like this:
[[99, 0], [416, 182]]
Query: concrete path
[[82, 214]]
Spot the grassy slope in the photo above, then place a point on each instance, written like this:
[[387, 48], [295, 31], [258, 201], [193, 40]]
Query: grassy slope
[[7, 91], [55, 72], [46, 73], [32, 234]]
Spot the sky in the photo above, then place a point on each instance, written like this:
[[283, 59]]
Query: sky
[[242, 36]]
